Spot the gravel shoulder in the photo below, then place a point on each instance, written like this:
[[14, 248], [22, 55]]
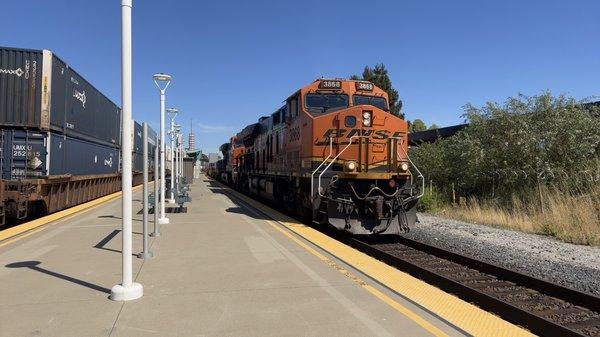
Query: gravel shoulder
[[567, 264]]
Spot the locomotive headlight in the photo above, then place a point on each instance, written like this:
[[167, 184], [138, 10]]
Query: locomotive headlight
[[366, 118], [403, 166], [350, 166]]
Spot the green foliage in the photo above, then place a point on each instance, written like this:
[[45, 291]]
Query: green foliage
[[433, 126], [516, 146], [417, 125], [431, 201], [378, 75]]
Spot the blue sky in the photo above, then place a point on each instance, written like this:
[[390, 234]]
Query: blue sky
[[233, 61]]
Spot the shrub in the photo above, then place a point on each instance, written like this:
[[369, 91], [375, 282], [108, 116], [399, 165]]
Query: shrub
[[531, 163], [431, 201]]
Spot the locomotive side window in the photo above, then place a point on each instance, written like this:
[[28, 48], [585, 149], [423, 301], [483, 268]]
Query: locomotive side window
[[378, 102], [326, 102]]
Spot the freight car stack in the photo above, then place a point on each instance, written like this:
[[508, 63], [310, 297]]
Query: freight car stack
[[59, 137]]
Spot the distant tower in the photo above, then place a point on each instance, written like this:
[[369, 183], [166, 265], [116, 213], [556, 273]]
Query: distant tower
[[191, 138]]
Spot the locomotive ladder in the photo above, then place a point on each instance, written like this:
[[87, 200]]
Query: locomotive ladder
[[320, 189], [420, 175]]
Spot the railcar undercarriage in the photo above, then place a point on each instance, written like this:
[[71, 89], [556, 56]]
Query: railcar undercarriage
[[369, 207]]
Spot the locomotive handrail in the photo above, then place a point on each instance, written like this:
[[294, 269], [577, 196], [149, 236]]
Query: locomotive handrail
[[422, 192], [333, 161], [312, 176]]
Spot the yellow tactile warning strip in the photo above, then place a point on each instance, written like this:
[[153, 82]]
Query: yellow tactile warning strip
[[452, 309], [12, 232], [399, 307]]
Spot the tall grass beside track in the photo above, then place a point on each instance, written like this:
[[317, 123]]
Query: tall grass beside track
[[532, 164], [570, 218]]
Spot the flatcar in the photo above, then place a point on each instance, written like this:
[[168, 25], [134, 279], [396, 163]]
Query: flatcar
[[334, 153]]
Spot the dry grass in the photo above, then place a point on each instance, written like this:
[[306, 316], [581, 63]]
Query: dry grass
[[570, 218]]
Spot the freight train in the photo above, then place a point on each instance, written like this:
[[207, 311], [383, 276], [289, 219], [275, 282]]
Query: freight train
[[334, 153], [59, 137]]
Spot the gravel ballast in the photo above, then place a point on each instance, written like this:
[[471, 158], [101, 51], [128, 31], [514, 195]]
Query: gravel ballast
[[540, 256]]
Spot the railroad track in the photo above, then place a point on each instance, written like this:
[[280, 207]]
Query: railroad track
[[543, 307]]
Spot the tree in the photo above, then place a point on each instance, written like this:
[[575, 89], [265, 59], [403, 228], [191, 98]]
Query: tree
[[417, 125], [378, 75], [433, 126]]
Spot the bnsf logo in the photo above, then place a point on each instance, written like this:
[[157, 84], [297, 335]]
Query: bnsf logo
[[348, 133]]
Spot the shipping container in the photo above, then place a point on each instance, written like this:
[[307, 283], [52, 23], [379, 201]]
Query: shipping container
[[79, 157], [21, 88], [138, 150], [32, 154], [24, 154], [39, 91], [137, 137]]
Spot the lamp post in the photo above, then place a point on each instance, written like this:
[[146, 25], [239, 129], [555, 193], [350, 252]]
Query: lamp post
[[127, 290], [181, 155], [162, 81], [176, 135], [172, 113]]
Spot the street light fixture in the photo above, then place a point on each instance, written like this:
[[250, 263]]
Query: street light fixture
[[172, 113], [162, 82]]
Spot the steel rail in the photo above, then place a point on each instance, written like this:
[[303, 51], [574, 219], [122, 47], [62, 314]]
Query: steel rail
[[504, 309]]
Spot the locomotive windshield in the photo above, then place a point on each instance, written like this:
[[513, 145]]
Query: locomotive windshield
[[378, 102], [326, 102]]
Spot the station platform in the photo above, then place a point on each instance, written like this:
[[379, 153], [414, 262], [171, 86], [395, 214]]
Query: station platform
[[220, 268]]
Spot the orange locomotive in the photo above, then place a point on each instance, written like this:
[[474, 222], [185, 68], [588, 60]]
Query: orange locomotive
[[332, 152]]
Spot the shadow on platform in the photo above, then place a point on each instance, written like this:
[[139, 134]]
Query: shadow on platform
[[116, 217], [103, 242], [242, 207], [34, 265]]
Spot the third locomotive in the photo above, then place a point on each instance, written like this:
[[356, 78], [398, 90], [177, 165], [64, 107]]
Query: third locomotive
[[332, 152]]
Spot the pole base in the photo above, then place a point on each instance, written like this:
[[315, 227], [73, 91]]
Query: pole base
[[155, 234], [163, 221], [121, 293], [145, 256]]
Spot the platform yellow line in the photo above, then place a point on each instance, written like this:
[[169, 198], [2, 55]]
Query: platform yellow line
[[452, 309], [13, 232], [388, 300], [17, 238]]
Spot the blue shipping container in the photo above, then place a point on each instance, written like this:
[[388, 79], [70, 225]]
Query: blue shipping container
[[32, 154]]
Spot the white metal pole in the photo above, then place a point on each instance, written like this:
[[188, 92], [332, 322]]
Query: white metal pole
[[172, 133], [179, 138], [146, 253], [156, 177], [181, 156], [127, 290], [176, 153], [162, 220]]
